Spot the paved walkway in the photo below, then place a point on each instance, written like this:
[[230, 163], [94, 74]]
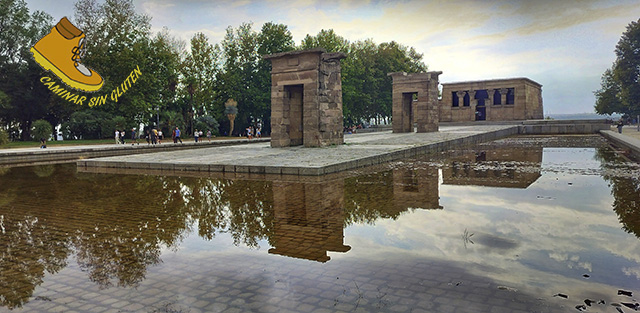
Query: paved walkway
[[629, 139], [630, 130], [359, 150], [62, 153]]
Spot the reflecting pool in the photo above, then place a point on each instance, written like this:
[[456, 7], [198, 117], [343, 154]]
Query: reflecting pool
[[528, 224]]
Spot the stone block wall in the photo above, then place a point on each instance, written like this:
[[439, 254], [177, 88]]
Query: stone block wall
[[424, 110], [306, 98], [527, 100]]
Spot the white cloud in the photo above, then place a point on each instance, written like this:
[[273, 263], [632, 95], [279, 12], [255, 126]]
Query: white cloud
[[564, 45]]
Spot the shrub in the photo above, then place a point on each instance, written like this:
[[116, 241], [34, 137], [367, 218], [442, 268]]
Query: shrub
[[41, 129], [204, 123], [4, 137]]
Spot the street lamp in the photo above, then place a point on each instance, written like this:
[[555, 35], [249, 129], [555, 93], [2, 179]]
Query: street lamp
[[157, 116]]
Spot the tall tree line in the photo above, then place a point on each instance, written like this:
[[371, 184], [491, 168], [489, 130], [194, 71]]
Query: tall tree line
[[179, 86]]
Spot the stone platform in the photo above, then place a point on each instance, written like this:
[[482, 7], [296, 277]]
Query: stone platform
[[359, 150], [55, 154]]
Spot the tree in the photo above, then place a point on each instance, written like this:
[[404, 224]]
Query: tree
[[238, 79], [90, 124], [273, 38], [25, 98], [326, 39], [366, 88], [199, 69], [41, 129], [620, 86], [4, 137], [118, 40], [207, 122]]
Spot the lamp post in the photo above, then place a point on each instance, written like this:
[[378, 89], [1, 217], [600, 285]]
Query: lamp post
[[157, 116]]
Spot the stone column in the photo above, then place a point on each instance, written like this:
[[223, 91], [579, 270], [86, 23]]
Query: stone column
[[428, 117], [503, 95], [488, 104], [460, 95]]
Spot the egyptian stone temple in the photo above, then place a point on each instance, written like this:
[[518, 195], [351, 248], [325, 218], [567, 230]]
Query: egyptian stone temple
[[306, 98], [491, 100], [415, 101]]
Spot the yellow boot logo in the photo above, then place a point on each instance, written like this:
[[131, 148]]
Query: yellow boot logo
[[61, 52]]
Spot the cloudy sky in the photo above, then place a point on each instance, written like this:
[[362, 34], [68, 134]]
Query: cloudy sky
[[565, 45]]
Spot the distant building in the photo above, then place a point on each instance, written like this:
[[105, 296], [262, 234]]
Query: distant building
[[491, 100]]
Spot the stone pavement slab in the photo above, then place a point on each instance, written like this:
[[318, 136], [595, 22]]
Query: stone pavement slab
[[629, 139], [359, 150], [61, 153]]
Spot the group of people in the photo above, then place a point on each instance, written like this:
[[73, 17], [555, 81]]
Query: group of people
[[155, 136], [253, 132], [152, 136], [198, 133], [119, 136], [352, 129]]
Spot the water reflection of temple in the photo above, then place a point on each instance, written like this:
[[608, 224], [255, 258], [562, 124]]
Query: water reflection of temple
[[507, 168], [416, 188], [308, 219]]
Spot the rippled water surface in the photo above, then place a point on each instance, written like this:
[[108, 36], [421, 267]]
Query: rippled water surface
[[530, 224]]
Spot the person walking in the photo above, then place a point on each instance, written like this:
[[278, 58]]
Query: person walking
[[122, 137], [160, 136], [209, 135], [196, 135], [173, 135], [619, 125], [154, 136], [117, 136], [134, 140], [177, 135]]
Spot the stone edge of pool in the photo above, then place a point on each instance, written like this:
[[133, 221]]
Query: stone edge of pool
[[385, 147]]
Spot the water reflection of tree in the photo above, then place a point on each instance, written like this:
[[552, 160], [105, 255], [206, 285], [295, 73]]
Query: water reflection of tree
[[369, 198], [242, 208], [28, 247], [116, 225], [624, 188]]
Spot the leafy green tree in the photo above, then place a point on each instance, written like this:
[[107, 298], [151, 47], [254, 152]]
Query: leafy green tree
[[620, 90], [204, 123], [273, 38], [4, 137], [238, 79], [26, 99], [118, 41], [41, 129], [171, 120], [326, 39], [199, 69], [90, 124], [366, 88]]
